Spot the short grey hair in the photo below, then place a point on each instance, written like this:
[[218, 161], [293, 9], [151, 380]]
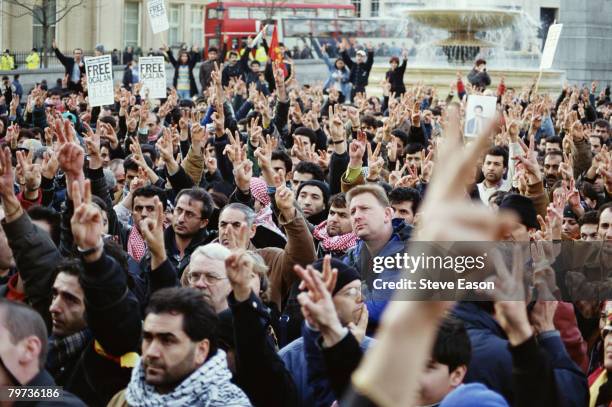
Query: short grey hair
[[213, 251], [110, 179], [249, 214]]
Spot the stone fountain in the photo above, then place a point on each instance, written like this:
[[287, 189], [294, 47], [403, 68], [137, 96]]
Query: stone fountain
[[465, 28], [463, 24]]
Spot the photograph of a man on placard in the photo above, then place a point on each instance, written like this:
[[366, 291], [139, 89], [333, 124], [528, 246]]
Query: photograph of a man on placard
[[479, 112]]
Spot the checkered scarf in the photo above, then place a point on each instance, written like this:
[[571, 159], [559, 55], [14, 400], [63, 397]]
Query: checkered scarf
[[62, 350], [136, 245], [210, 385], [339, 243]]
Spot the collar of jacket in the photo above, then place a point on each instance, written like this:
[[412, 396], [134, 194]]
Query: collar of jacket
[[475, 317], [170, 240], [401, 234]]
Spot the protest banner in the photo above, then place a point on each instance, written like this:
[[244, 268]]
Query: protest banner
[[158, 16], [152, 71], [99, 72], [550, 48], [479, 112]]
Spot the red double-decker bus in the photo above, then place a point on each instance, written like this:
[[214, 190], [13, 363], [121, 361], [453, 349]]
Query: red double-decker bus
[[239, 20]]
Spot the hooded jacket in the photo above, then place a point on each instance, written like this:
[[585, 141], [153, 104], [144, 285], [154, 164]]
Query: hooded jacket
[[359, 258], [492, 360]]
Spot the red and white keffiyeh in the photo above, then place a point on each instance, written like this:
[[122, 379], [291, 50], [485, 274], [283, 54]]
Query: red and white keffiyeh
[[136, 245], [334, 243]]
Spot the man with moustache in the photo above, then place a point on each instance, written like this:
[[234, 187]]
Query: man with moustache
[[335, 235], [493, 169]]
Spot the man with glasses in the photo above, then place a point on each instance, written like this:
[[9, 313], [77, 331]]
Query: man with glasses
[[75, 67], [206, 273]]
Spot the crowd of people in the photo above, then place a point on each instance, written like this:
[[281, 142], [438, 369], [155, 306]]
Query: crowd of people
[[216, 248]]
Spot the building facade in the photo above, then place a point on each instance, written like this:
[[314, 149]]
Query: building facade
[[122, 23]]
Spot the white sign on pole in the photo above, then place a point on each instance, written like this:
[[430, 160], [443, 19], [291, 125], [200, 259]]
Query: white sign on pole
[[479, 112], [158, 16], [153, 77], [100, 80], [548, 55]]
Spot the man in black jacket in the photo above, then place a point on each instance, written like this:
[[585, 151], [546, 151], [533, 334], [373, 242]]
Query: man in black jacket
[[75, 67], [23, 351], [360, 68], [478, 77]]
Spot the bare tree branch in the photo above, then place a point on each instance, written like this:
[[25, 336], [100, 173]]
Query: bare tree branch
[[28, 6], [59, 17]]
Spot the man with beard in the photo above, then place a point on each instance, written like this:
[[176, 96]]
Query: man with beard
[[335, 235], [192, 210], [312, 197], [405, 202], [493, 168], [552, 165], [179, 355]]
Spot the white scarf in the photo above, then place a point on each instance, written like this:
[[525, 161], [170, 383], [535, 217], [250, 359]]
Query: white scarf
[[208, 386]]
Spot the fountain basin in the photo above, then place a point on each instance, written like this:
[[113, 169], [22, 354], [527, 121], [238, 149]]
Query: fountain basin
[[440, 78]]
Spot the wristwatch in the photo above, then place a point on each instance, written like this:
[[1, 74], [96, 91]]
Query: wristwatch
[[87, 252]]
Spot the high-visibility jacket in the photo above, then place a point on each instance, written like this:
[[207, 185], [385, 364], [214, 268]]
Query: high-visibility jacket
[[7, 63], [33, 61]]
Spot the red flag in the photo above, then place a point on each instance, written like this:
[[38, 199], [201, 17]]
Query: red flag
[[275, 53]]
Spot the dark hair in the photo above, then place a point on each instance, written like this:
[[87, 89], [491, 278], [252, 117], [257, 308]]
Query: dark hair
[[149, 149], [452, 347], [149, 191], [109, 120], [405, 194], [69, 265], [499, 151], [413, 148], [602, 123], [554, 153], [284, 157], [130, 164], [254, 62], [306, 132], [198, 194], [371, 121], [308, 167], [498, 197], [394, 59], [213, 49], [400, 134], [199, 319], [338, 200], [50, 216], [480, 61], [554, 140], [22, 321], [589, 218]]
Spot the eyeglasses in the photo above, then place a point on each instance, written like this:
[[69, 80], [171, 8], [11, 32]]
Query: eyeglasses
[[194, 276], [188, 215]]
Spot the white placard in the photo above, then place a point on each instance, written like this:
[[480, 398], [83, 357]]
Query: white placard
[[152, 71], [550, 48], [479, 112], [158, 16], [100, 88]]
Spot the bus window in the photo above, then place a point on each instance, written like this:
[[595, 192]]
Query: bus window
[[238, 13], [326, 13], [212, 14], [285, 12], [345, 13], [305, 12], [258, 13]]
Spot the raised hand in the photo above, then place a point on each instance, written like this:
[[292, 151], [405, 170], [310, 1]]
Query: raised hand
[[356, 151], [92, 141], [235, 152], [336, 127], [375, 162], [31, 172], [152, 230], [239, 268], [210, 161], [86, 222], [284, 198], [243, 172], [50, 164]]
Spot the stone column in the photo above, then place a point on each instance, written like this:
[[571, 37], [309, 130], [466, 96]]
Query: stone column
[[585, 48]]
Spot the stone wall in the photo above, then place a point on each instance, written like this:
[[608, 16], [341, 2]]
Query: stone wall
[[585, 47]]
